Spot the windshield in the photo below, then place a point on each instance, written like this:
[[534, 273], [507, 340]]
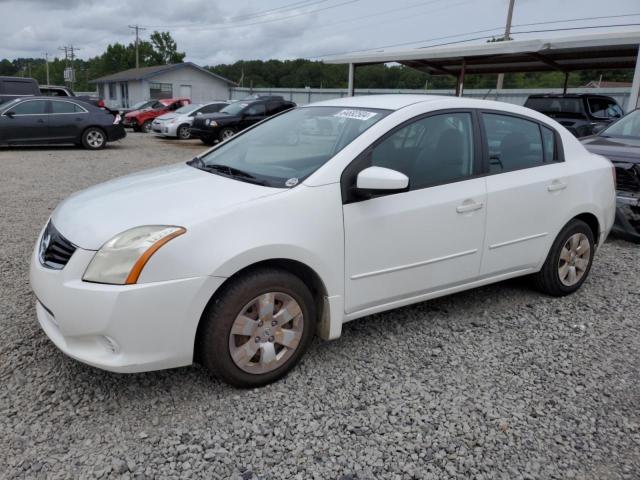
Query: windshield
[[188, 108], [143, 104], [234, 108], [628, 126], [286, 149]]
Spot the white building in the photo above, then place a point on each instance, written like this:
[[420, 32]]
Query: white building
[[187, 80]]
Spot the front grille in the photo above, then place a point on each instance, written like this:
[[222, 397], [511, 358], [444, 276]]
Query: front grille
[[628, 177], [55, 250]]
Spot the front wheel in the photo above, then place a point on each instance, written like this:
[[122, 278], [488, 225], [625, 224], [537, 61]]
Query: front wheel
[[257, 328], [569, 261], [184, 132], [146, 126], [94, 138], [226, 133]]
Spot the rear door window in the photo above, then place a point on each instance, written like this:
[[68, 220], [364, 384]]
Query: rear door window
[[512, 143]]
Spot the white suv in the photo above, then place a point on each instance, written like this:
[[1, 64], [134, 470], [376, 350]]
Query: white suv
[[315, 217]]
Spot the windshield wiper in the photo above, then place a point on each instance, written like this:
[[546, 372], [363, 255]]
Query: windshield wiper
[[225, 170]]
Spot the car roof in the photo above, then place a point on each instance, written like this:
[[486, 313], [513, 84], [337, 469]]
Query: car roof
[[569, 95], [386, 102]]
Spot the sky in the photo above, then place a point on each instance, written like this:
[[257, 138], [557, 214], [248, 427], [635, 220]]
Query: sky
[[224, 31]]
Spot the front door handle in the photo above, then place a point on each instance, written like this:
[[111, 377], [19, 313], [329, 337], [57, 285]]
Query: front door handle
[[469, 206], [556, 186]]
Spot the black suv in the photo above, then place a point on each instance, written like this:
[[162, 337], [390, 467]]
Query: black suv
[[236, 117], [16, 87], [581, 114]]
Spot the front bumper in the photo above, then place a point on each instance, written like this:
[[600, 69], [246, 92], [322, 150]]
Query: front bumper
[[166, 129], [200, 132], [121, 328], [627, 223]]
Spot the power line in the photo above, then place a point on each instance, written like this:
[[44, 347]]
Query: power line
[[490, 36], [262, 22]]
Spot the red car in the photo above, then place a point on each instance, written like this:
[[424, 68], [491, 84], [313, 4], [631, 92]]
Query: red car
[[140, 120]]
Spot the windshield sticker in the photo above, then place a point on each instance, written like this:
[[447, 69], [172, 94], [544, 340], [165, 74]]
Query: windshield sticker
[[292, 182], [355, 114]]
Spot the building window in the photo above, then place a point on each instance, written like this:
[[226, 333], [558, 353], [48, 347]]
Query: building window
[[113, 95], [160, 90]]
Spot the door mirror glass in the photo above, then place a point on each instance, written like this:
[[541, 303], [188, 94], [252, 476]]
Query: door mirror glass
[[381, 180]]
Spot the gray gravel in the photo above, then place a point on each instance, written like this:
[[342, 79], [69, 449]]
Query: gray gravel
[[499, 382]]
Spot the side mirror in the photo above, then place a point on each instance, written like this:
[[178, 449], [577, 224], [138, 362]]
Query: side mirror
[[10, 114], [379, 180]]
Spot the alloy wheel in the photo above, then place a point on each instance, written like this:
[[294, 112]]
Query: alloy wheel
[[266, 333], [574, 259], [228, 133], [95, 139], [183, 133]]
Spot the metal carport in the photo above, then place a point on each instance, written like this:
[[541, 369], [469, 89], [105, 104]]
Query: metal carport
[[600, 51]]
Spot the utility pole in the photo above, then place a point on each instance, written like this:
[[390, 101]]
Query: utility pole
[[137, 28], [69, 57], [46, 65], [507, 33]]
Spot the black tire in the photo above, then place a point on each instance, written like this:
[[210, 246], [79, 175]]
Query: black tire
[[94, 138], [208, 140], [226, 133], [135, 128], [146, 126], [548, 280], [180, 132], [213, 340]]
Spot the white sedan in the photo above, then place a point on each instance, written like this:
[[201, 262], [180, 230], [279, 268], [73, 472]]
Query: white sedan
[[177, 124], [315, 217]]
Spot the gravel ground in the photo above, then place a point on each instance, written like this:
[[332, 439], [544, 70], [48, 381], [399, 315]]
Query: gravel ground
[[499, 382]]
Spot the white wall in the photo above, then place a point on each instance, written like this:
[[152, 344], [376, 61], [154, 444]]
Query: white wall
[[302, 96], [203, 87]]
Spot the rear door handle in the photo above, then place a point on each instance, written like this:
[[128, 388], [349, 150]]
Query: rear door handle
[[556, 186], [469, 206]]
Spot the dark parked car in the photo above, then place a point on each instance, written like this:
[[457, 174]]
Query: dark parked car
[[236, 117], [14, 87], [61, 91], [44, 120], [581, 114], [620, 143]]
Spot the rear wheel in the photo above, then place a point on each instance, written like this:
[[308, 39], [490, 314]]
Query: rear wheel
[[184, 132], [569, 261], [146, 126], [94, 138], [257, 328]]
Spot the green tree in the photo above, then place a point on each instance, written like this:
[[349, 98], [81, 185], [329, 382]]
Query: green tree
[[165, 49]]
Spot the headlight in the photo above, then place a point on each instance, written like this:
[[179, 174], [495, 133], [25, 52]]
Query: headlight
[[121, 260], [212, 123]]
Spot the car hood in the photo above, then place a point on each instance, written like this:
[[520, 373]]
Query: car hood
[[219, 116], [621, 149], [176, 195]]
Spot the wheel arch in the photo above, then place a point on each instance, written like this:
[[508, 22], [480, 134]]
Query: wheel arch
[[301, 270], [594, 224], [99, 127]]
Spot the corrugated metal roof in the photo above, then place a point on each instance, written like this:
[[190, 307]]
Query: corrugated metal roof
[[603, 50], [148, 72]]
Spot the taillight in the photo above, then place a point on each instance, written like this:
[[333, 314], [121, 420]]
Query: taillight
[[101, 103], [116, 121]]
